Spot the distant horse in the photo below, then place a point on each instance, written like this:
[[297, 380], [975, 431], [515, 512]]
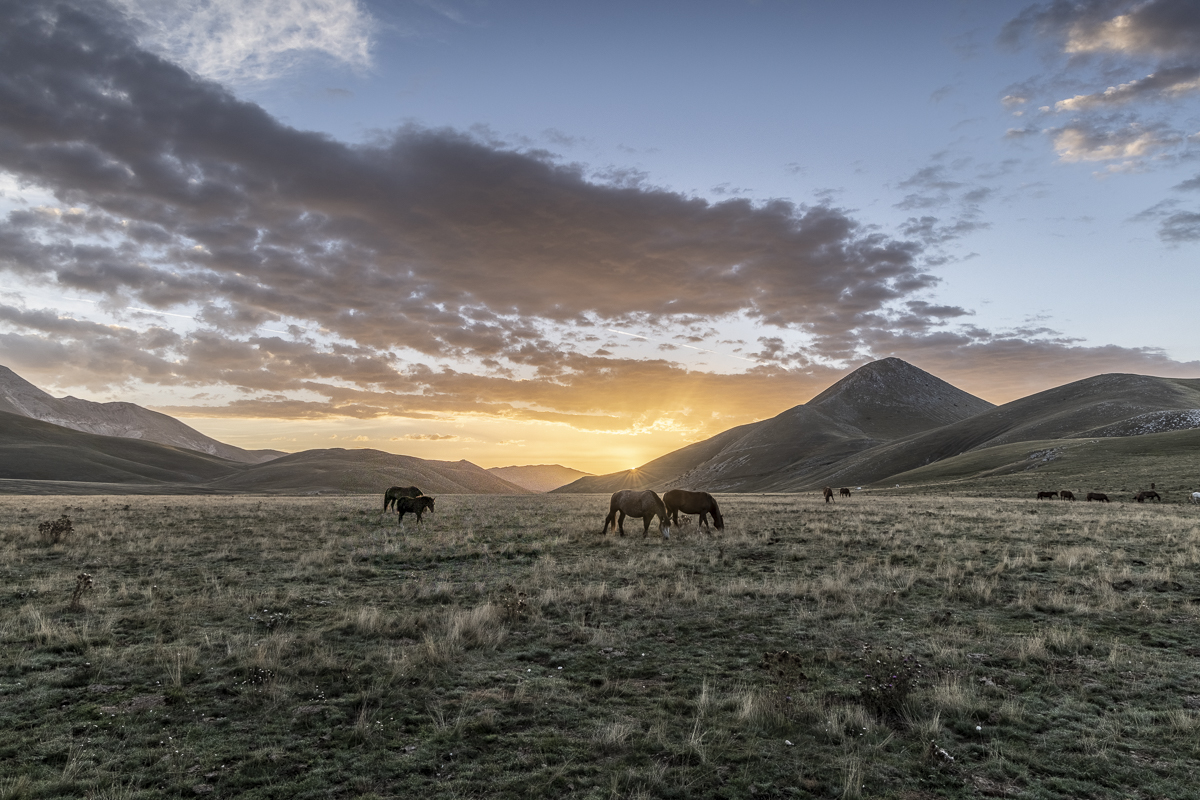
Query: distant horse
[[828, 494], [1103, 498], [1194, 498], [701, 503], [390, 496], [844, 492], [1142, 497], [413, 505], [1046, 495], [643, 505], [1066, 495]]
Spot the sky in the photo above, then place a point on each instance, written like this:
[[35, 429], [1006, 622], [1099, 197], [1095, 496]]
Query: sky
[[582, 233]]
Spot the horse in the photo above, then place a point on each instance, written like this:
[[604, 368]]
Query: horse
[[1142, 497], [828, 494], [1046, 495], [844, 492], [1103, 498], [413, 505], [701, 503], [632, 503], [1195, 497], [1063, 494], [389, 497]]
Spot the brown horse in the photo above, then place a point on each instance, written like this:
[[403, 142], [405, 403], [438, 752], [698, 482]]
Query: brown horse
[[1101, 496], [1142, 497], [643, 505], [828, 494], [1046, 495], [701, 503], [1063, 494], [413, 505], [844, 492], [389, 497]]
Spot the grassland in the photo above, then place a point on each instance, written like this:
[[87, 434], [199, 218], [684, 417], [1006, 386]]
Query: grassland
[[305, 647]]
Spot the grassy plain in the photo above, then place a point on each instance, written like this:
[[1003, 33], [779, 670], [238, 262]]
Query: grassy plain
[[307, 647]]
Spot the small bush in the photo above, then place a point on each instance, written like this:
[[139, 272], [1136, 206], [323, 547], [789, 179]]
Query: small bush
[[889, 678], [53, 532]]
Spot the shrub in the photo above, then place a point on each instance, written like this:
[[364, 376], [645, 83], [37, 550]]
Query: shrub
[[53, 532], [887, 682]]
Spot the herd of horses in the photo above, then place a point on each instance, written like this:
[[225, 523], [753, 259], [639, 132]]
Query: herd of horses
[[646, 505], [1141, 496]]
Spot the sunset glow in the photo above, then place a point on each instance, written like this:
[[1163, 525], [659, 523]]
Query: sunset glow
[[463, 231]]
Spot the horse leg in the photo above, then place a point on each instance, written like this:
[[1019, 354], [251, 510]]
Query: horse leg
[[609, 520], [621, 522]]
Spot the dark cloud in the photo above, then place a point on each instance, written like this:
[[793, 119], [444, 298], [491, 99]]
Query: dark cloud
[[402, 241], [1183, 226]]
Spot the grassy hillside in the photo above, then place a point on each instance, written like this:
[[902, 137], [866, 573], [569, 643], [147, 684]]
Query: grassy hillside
[[904, 648], [364, 471], [33, 450], [1119, 467]]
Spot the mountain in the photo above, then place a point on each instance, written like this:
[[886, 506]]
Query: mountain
[[126, 420], [877, 403], [363, 471], [539, 478], [1098, 407], [40, 451], [38, 457]]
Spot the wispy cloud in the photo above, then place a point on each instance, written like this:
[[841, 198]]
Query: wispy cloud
[[234, 41]]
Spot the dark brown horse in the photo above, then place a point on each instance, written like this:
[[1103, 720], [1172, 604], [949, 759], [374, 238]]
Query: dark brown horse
[[828, 494], [1101, 496], [390, 496], [1046, 495], [413, 505], [844, 492], [1063, 494], [643, 505], [1142, 497], [701, 503]]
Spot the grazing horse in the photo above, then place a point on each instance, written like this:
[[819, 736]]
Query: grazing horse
[[390, 496], [643, 505], [413, 505], [701, 503], [828, 494], [1046, 495], [844, 492], [1101, 496], [1142, 497], [1195, 497], [1066, 495]]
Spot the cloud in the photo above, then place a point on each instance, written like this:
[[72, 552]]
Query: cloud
[[1085, 142], [1160, 28], [1183, 226], [1167, 84], [236, 41]]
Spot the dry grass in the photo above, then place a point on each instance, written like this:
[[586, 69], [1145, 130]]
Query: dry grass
[[308, 646]]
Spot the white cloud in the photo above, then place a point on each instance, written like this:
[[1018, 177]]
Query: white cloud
[[238, 41]]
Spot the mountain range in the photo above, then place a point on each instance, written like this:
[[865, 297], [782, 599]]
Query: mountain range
[[888, 418], [126, 420], [884, 424]]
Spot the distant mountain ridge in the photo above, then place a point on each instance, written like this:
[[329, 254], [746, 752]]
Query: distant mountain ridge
[[539, 477], [33, 452], [889, 417], [125, 420]]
